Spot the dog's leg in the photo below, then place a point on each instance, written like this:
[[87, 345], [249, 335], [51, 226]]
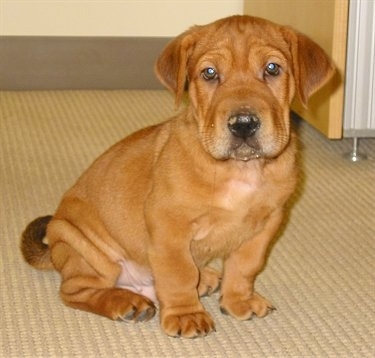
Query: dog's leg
[[176, 279], [240, 270], [89, 278], [83, 288]]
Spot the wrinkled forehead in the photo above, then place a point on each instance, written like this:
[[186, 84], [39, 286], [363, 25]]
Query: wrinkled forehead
[[240, 36]]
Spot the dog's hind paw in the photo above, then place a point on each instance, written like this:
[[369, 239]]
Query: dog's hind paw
[[124, 305], [136, 315]]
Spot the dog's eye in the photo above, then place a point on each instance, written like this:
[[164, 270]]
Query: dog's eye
[[210, 74], [272, 69]]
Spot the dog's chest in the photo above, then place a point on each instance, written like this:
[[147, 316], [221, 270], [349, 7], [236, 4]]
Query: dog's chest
[[234, 194], [234, 210]]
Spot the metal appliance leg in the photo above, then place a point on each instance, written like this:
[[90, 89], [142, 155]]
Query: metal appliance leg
[[355, 155]]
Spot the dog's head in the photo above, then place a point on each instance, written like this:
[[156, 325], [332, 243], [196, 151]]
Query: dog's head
[[241, 74]]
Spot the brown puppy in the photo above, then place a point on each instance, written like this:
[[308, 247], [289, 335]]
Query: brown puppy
[[150, 219]]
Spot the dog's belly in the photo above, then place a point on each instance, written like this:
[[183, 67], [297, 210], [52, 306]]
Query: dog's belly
[[136, 278]]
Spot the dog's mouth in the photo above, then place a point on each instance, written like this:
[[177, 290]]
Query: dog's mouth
[[244, 136], [245, 150], [226, 146]]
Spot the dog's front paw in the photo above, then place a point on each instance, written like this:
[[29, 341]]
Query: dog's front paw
[[244, 308], [190, 325], [209, 282]]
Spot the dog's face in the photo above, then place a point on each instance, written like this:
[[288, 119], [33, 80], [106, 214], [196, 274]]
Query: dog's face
[[242, 73]]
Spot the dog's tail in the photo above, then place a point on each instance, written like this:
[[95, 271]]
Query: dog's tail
[[34, 248]]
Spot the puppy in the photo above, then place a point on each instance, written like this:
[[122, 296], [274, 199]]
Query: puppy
[[152, 219]]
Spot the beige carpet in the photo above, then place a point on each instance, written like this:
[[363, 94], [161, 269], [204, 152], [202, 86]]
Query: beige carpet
[[320, 274]]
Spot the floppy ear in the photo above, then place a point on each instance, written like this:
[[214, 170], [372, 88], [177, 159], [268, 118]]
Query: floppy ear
[[171, 66], [312, 68]]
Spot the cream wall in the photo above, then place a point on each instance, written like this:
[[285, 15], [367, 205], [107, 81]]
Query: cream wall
[[108, 17]]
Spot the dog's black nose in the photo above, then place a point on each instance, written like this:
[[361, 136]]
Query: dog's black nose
[[243, 125]]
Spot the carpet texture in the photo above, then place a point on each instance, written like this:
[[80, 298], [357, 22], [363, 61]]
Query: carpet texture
[[320, 274]]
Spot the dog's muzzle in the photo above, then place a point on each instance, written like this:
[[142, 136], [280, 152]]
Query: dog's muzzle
[[243, 125], [244, 143]]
